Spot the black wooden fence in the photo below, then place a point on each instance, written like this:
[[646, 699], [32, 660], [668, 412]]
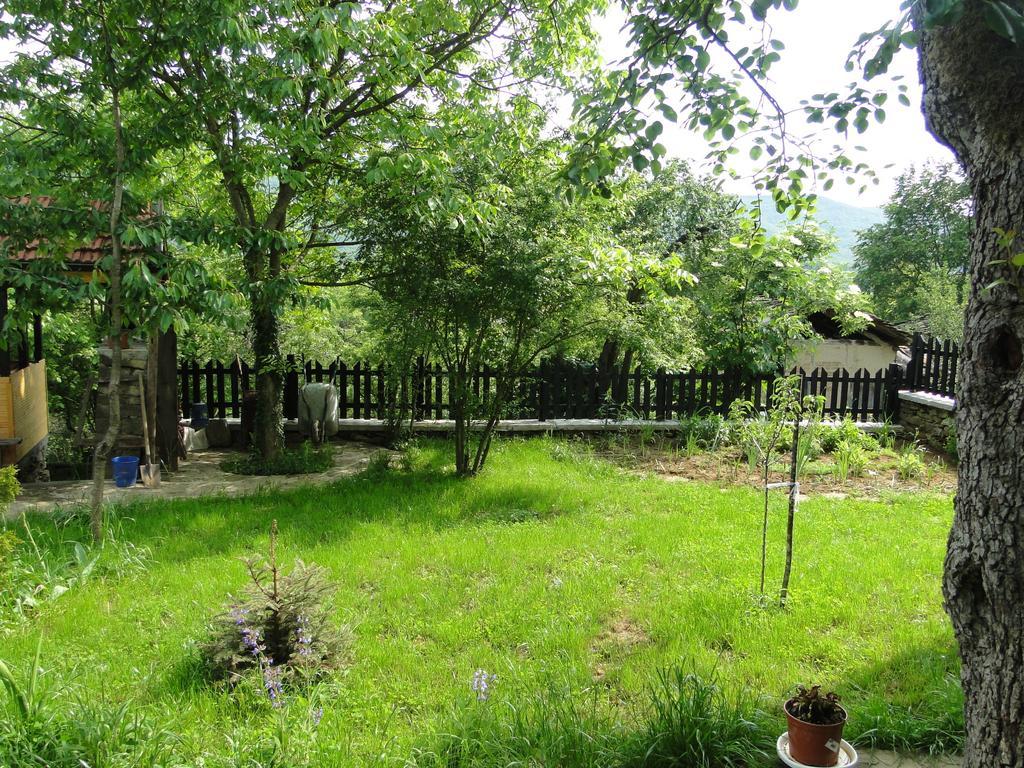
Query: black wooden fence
[[550, 391], [933, 366]]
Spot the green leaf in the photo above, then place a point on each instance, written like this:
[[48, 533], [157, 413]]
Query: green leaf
[[1004, 20]]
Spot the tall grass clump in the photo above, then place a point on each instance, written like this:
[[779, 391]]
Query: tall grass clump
[[40, 563], [46, 726], [683, 720]]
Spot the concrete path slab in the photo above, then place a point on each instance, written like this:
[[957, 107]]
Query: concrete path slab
[[880, 758]]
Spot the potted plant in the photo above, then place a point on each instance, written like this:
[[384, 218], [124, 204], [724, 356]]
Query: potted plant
[[815, 723]]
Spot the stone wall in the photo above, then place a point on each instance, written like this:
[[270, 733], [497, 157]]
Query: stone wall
[[929, 417], [133, 361]]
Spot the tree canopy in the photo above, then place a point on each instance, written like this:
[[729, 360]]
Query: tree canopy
[[915, 263]]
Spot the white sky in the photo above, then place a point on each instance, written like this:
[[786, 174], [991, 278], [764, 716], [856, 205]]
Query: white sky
[[818, 36]]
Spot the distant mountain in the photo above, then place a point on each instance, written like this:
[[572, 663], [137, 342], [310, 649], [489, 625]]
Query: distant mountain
[[843, 220]]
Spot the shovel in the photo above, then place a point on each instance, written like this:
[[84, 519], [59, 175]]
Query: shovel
[[150, 474]]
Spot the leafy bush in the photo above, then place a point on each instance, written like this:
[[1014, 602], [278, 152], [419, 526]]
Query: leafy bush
[[412, 457], [886, 436], [281, 626], [9, 487], [61, 449], [701, 432], [850, 460], [762, 433], [304, 460], [910, 464], [378, 463], [952, 446], [848, 432]]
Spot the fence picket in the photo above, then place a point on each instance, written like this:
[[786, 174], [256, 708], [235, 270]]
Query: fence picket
[[558, 390]]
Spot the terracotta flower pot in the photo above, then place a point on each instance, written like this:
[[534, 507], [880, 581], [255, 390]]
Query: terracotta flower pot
[[812, 744]]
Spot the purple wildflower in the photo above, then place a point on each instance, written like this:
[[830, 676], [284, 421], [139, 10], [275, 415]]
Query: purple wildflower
[[316, 715], [272, 683], [303, 636], [482, 683], [252, 641]]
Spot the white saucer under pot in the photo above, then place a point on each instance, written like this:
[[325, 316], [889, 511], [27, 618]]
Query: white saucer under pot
[[847, 754]]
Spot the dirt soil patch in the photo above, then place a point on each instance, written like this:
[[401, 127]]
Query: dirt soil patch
[[728, 466]]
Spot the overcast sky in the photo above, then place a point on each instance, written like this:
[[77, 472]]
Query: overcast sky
[[818, 36]]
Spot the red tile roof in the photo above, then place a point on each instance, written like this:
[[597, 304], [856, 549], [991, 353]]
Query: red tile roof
[[86, 255]]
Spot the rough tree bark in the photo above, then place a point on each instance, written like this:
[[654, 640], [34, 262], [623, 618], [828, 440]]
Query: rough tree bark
[[973, 104]]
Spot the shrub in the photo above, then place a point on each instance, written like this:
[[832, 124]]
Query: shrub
[[848, 432], [952, 446], [761, 433], [9, 487], [378, 463], [910, 464], [281, 626], [886, 436], [304, 460], [850, 460], [700, 432]]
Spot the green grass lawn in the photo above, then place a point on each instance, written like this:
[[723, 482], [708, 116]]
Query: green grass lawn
[[555, 571]]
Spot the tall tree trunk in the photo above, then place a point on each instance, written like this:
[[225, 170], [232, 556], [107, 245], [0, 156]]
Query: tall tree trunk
[[167, 400], [972, 102], [267, 430], [109, 439], [460, 413]]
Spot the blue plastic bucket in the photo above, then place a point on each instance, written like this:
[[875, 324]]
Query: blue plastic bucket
[[126, 470], [200, 415]]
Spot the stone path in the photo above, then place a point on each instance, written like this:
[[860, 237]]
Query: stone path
[[201, 475], [878, 758]]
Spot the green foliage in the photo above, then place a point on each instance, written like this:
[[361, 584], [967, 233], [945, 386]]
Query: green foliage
[[755, 292], [484, 266], [9, 487], [915, 263], [886, 436], [812, 706], [849, 460], [702, 432], [305, 460], [61, 450], [380, 463], [281, 625], [35, 571], [952, 445], [910, 464], [46, 726], [846, 431], [683, 719], [762, 433], [761, 436], [536, 550]]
